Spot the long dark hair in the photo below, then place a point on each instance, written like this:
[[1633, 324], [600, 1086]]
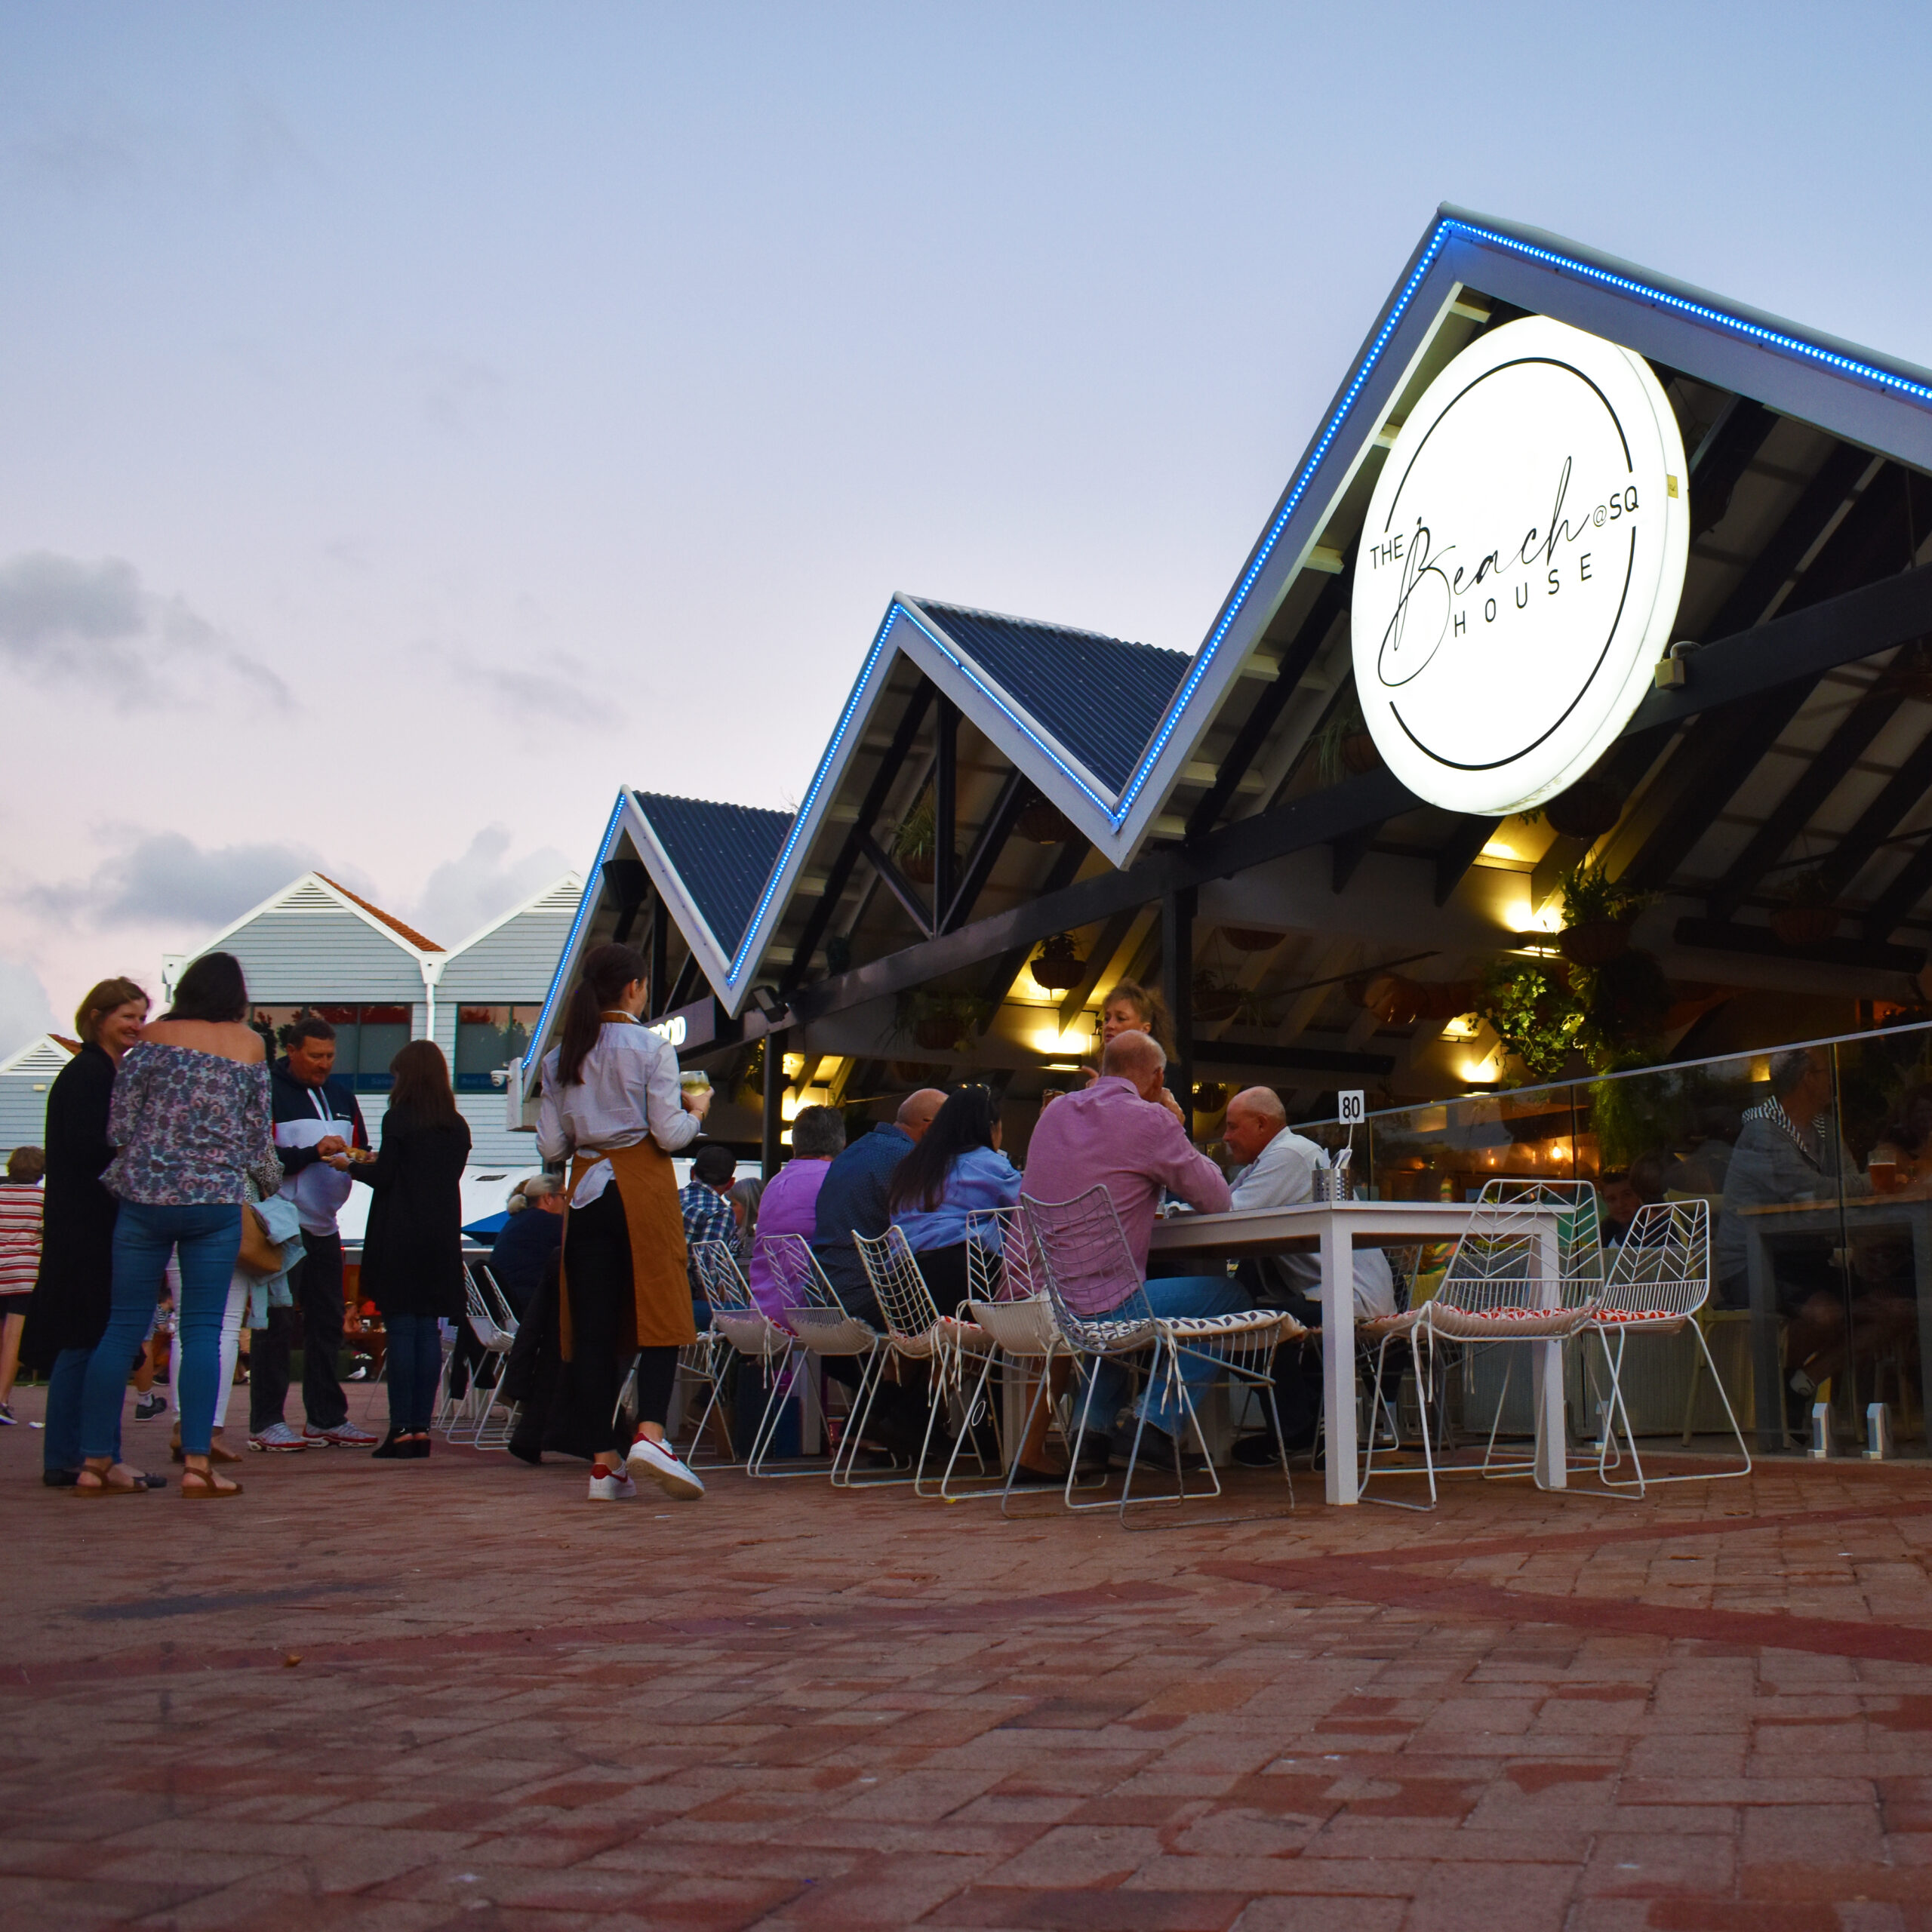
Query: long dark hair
[[966, 1122], [422, 1085], [212, 989], [606, 971]]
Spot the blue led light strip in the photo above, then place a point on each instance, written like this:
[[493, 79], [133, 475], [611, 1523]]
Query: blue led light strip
[[742, 958], [1757, 332], [592, 886]]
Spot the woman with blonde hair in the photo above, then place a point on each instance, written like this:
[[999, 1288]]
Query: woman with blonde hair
[[68, 1310], [612, 1107]]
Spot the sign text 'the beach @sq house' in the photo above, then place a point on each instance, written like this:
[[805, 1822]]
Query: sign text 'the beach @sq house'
[[1520, 567]]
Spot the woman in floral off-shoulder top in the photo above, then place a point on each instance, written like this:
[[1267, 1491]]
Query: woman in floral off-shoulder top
[[190, 1117]]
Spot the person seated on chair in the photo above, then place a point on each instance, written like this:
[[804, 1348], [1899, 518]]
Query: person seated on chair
[[1278, 1171], [705, 1202], [789, 1203], [956, 1171], [1125, 1133], [852, 1200], [534, 1232]]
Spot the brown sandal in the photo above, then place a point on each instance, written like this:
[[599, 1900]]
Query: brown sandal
[[218, 1451], [102, 1485], [209, 1487]]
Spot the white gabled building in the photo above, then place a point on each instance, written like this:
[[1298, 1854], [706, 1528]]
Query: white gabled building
[[25, 1077], [316, 946]]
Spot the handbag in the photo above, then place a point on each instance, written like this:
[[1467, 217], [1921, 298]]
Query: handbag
[[259, 1256]]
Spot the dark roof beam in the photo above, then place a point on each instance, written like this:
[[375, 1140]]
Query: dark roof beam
[[850, 853], [1467, 839], [895, 882], [1014, 797], [1266, 711]]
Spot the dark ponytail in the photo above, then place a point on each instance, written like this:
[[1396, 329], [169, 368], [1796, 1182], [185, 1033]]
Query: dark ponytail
[[607, 970]]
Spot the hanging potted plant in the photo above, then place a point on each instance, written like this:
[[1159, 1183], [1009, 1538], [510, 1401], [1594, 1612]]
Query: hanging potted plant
[[1807, 917], [1251, 939], [1534, 1014], [1044, 823], [1588, 810], [1344, 746], [915, 842], [941, 1022], [1597, 912], [1215, 999], [1058, 967]]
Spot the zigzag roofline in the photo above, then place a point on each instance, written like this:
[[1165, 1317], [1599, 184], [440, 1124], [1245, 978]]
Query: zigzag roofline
[[1880, 403]]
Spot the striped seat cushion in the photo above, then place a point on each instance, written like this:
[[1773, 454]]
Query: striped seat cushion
[[1514, 1323], [1257, 1321]]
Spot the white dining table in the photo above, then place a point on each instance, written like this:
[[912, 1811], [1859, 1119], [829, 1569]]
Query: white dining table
[[1336, 1229]]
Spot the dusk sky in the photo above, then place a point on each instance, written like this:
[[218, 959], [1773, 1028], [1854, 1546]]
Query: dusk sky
[[419, 421]]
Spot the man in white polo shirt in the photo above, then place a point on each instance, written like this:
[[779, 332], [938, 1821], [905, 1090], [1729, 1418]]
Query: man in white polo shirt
[[1279, 1172]]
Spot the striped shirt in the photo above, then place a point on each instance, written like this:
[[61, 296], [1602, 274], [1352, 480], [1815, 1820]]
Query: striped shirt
[[20, 1207]]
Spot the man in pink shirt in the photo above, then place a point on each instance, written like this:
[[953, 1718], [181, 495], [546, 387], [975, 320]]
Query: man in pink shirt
[[1125, 1132]]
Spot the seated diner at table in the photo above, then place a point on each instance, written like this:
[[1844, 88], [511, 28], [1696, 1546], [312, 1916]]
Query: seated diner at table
[[1278, 1171], [957, 1171], [789, 1203], [1125, 1133]]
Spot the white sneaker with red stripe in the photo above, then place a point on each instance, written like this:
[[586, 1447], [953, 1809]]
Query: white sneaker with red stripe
[[656, 1462]]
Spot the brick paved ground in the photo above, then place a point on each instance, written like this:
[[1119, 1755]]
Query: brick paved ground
[[455, 1694]]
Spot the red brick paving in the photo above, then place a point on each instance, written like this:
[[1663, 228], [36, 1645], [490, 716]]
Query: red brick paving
[[367, 1696]]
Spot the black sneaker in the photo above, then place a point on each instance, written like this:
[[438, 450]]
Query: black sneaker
[[7, 1416], [150, 1405]]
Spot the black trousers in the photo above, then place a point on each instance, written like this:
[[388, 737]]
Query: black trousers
[[316, 1284], [597, 1272]]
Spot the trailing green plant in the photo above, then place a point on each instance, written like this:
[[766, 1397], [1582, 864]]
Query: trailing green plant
[[1590, 896], [924, 1016], [1625, 1003], [918, 835], [1533, 1012], [1344, 721]]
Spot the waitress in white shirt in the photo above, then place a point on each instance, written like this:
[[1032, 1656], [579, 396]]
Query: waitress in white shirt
[[611, 1105]]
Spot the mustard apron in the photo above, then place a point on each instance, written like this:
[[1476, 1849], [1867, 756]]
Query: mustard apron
[[646, 1185]]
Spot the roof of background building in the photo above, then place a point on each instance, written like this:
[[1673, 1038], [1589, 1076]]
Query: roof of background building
[[724, 854], [389, 919], [1100, 696]]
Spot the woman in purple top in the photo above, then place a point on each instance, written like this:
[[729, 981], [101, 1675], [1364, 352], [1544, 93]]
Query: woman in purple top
[[955, 1171], [190, 1116], [789, 1204]]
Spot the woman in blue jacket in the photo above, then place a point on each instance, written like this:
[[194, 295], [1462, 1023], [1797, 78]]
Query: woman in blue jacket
[[956, 1169]]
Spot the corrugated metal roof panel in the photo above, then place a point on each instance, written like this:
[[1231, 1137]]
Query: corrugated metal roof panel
[[723, 853], [1100, 696]]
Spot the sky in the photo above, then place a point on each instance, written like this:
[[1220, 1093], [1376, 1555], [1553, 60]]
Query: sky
[[416, 423]]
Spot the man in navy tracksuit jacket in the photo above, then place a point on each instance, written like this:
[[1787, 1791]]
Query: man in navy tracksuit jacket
[[315, 1117]]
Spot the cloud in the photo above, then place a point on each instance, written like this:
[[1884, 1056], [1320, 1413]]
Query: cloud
[[25, 1010], [548, 689], [464, 894], [63, 619], [166, 879]]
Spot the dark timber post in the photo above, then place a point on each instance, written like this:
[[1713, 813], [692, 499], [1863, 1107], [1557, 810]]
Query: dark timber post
[[773, 1123], [1177, 989], [660, 954], [946, 814]]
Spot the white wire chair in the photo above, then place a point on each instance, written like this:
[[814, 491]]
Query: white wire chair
[[1658, 1279], [737, 1319], [1497, 1289], [917, 1332], [817, 1317], [494, 1325], [1081, 1253]]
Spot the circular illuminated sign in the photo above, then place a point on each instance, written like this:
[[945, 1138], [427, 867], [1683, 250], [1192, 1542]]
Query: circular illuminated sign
[[1520, 569]]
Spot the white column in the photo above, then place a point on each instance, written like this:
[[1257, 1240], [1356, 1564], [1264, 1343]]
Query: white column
[[1338, 1356]]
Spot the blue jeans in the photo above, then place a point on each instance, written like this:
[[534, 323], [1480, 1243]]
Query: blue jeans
[[60, 1449], [1179, 1294], [206, 1237], [415, 1364]]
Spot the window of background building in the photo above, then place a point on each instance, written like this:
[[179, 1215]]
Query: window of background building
[[488, 1039], [366, 1039]]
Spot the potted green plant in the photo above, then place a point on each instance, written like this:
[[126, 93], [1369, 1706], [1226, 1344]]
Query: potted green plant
[[1598, 911], [1807, 917], [1344, 747], [916, 842], [1534, 1013], [1057, 966]]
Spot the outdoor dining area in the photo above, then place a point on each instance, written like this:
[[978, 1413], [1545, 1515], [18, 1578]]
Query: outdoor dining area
[[1055, 1299]]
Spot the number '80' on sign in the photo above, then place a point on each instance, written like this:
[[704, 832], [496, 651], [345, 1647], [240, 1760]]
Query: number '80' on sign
[[1353, 1109]]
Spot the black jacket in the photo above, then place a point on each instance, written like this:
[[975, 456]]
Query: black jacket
[[521, 1251], [71, 1295], [412, 1249]]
